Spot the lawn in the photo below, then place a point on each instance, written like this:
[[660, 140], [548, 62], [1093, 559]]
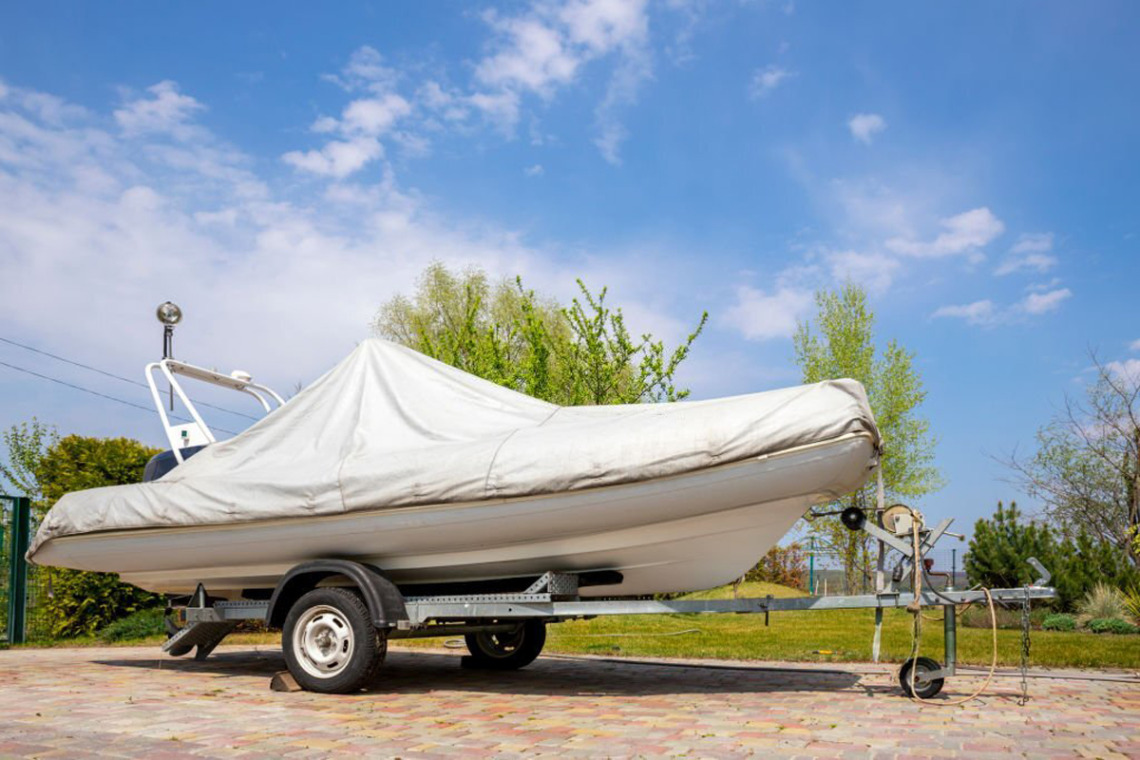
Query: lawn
[[824, 636]]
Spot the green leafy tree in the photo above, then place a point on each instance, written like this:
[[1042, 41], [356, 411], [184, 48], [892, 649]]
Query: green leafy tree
[[505, 333], [841, 344], [26, 443], [1086, 470], [83, 602]]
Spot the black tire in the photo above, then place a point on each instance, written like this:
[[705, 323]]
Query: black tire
[[316, 631], [506, 651], [922, 689]]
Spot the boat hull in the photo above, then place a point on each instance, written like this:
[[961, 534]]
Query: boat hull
[[680, 533]]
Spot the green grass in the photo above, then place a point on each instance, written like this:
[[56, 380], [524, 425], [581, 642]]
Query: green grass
[[790, 636], [805, 636]]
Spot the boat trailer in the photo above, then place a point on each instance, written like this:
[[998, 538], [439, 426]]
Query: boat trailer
[[337, 617]]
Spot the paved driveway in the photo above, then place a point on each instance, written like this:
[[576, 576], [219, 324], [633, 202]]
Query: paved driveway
[[128, 702]]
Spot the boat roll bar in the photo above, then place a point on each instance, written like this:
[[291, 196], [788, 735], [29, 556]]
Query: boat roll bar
[[197, 432]]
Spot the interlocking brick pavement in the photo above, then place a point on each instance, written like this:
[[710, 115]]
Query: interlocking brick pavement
[[132, 702]]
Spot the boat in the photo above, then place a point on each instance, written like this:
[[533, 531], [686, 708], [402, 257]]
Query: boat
[[443, 480]]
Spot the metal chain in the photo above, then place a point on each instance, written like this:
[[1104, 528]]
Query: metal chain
[[1024, 699]]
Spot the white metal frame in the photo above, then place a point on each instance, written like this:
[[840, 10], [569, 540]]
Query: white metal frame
[[197, 431]]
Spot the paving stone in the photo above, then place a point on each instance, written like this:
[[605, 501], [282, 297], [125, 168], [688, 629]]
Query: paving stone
[[130, 702]]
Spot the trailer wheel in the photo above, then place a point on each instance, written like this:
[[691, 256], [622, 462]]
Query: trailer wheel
[[506, 651], [924, 688], [330, 643]]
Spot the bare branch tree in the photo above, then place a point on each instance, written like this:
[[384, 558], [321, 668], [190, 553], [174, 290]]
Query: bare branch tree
[[1086, 469]]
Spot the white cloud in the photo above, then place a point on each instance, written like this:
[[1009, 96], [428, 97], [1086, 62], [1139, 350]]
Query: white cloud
[[1030, 252], [864, 126], [987, 313], [767, 79], [282, 285], [965, 233], [635, 67], [500, 109], [976, 313], [1033, 242], [355, 136], [874, 271], [532, 56], [165, 111], [533, 52], [452, 106], [1129, 369], [365, 71], [546, 46], [141, 228], [763, 316], [535, 170], [602, 25], [1043, 303], [1135, 346], [374, 116], [338, 158]]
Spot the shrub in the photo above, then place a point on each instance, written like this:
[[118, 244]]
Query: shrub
[[783, 565], [1111, 625], [1132, 603], [81, 603], [1059, 622], [139, 625], [1102, 602]]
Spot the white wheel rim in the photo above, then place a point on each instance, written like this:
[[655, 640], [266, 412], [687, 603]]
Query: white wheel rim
[[323, 641]]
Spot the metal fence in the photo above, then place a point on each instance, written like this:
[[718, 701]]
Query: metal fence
[[24, 588], [826, 576], [15, 529]]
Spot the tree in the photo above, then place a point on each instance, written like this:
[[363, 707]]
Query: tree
[[1086, 470], [1001, 545], [841, 345], [504, 333], [27, 443], [46, 467]]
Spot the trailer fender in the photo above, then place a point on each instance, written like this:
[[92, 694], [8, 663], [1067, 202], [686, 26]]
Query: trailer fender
[[385, 602]]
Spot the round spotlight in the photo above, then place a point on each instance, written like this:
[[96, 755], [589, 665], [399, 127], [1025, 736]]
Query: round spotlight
[[169, 313]]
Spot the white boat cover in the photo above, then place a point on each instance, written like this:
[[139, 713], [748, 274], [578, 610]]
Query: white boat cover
[[389, 427]]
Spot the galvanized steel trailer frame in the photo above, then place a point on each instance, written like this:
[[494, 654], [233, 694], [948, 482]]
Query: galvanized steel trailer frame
[[554, 598]]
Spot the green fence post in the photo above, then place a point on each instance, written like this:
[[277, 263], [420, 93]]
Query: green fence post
[[18, 568]]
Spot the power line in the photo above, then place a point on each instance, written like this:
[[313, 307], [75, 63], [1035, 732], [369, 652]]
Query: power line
[[96, 393], [113, 375]]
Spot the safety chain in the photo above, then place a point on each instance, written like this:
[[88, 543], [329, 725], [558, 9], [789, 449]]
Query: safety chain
[[1024, 699]]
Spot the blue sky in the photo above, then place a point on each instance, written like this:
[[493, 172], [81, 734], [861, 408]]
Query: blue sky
[[282, 169]]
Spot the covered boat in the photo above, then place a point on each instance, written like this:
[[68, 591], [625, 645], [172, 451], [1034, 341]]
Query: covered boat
[[437, 477]]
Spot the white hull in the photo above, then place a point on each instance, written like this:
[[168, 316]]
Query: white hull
[[679, 533]]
